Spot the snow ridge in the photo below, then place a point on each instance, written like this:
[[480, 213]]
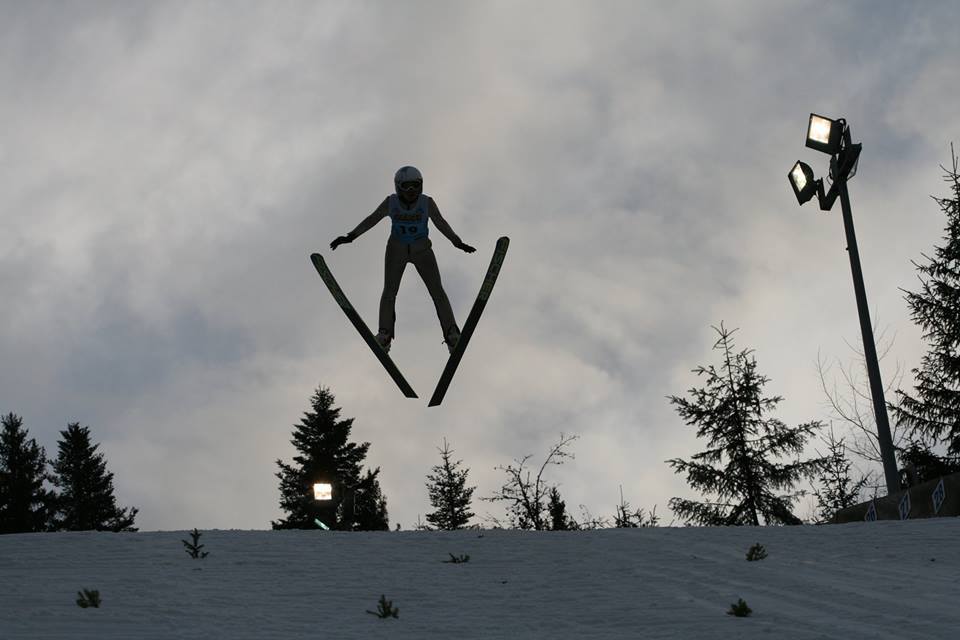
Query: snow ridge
[[863, 580]]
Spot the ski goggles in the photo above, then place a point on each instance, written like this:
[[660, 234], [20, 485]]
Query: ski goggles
[[411, 186]]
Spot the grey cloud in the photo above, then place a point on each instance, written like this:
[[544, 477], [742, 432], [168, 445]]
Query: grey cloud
[[175, 165]]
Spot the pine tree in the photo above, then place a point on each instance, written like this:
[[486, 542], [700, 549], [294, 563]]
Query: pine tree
[[557, 508], [933, 412], [85, 501], [327, 455], [730, 412], [919, 459], [837, 489], [25, 505], [449, 494], [369, 505]]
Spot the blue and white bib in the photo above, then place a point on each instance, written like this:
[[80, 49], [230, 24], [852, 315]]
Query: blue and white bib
[[408, 225]]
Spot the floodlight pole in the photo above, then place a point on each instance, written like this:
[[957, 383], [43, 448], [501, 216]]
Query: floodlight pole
[[842, 167]]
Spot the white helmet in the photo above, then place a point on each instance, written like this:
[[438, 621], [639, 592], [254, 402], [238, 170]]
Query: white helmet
[[408, 175]]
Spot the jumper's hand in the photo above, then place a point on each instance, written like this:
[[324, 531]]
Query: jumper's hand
[[465, 247], [339, 241]]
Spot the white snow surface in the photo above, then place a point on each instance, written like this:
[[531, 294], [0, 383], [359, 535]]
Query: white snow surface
[[863, 580]]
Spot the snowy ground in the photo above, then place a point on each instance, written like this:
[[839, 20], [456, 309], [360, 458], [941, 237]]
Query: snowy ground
[[864, 580]]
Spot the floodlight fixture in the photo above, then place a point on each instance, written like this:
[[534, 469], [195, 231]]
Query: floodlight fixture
[[322, 491], [824, 134], [834, 138], [801, 179]]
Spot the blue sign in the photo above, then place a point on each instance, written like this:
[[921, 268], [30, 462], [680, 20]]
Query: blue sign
[[871, 512], [939, 495], [905, 506]]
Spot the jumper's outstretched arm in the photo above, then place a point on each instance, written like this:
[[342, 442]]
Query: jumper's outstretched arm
[[365, 225], [446, 229], [368, 223]]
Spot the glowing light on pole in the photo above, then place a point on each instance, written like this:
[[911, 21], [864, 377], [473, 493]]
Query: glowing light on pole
[[824, 134], [833, 138], [801, 179], [322, 491]]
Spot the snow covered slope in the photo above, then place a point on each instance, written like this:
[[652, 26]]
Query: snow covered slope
[[864, 580]]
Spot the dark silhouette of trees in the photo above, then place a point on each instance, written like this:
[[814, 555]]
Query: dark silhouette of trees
[[919, 463], [25, 505], [933, 411], [369, 505], [738, 467], [527, 498], [627, 517], [836, 490], [557, 508], [449, 494], [85, 500], [327, 456]]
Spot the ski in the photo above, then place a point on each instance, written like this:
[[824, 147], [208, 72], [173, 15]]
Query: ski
[[485, 289], [360, 325]]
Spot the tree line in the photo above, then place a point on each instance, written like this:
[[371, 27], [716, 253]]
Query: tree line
[[747, 474], [73, 492], [357, 503]]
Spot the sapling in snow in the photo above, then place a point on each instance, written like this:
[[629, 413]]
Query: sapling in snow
[[88, 598], [385, 609], [741, 610], [756, 552], [194, 548], [458, 559]]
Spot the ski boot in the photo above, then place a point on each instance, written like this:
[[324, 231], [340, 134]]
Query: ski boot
[[383, 338], [453, 337]]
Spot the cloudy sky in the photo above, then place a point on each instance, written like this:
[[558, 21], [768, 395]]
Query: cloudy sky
[[167, 168]]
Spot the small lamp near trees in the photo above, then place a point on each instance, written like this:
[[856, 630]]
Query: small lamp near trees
[[323, 491]]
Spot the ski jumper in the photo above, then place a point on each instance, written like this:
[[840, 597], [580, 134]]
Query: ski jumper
[[409, 242]]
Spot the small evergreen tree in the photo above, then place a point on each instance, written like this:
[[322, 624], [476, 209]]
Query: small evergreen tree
[[194, 547], [449, 494], [730, 412], [327, 455], [628, 518], [369, 505], [85, 501], [557, 508], [933, 411], [87, 598], [25, 505], [837, 490]]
